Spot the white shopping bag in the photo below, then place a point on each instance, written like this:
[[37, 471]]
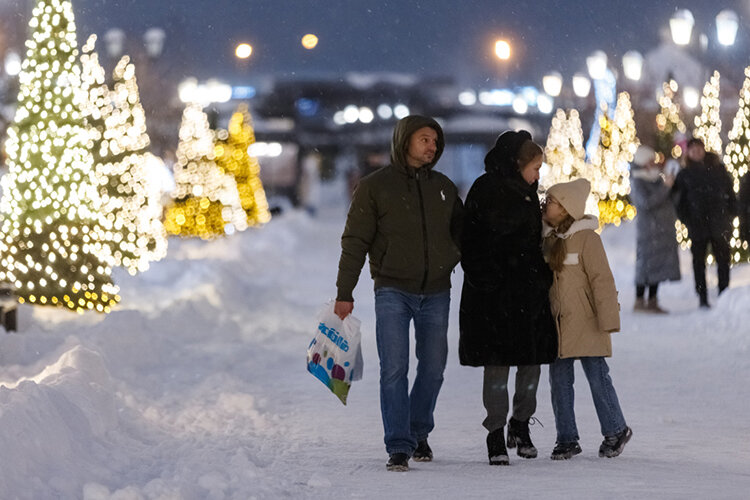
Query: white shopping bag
[[335, 355]]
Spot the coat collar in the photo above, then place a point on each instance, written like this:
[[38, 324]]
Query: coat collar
[[586, 222]]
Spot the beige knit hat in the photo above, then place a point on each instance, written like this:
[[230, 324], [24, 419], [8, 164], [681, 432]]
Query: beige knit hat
[[572, 196]]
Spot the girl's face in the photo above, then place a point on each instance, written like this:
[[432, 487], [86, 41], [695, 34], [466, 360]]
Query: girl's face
[[530, 171], [553, 213]]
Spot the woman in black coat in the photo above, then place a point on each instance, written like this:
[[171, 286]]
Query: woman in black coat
[[505, 317]]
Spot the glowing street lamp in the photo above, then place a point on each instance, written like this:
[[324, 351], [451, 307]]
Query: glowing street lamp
[[581, 85], [502, 50], [681, 26], [552, 83], [727, 22], [243, 50], [597, 65], [153, 39], [12, 63], [632, 65], [309, 41]]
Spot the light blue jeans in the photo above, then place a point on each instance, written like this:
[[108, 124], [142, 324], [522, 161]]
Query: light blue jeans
[[408, 417], [561, 378]]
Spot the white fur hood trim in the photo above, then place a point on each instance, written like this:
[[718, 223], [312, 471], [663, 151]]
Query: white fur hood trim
[[585, 222]]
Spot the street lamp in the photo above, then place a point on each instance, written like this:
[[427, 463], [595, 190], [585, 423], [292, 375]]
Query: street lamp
[[581, 85], [309, 41], [597, 65], [153, 39], [502, 50], [727, 22], [681, 26], [115, 40], [632, 65], [243, 50], [552, 83], [12, 63]]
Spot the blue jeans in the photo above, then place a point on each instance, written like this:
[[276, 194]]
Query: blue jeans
[[408, 417], [561, 378]]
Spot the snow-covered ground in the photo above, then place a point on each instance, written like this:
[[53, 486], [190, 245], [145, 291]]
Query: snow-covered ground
[[196, 388]]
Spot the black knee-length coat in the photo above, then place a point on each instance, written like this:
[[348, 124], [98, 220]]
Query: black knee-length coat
[[505, 316]]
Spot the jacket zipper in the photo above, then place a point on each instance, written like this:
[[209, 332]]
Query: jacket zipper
[[424, 230]]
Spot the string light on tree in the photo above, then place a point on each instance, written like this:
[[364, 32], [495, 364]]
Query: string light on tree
[[129, 190], [565, 153], [708, 123], [669, 122], [233, 156], [206, 202], [737, 160], [50, 203], [610, 175]]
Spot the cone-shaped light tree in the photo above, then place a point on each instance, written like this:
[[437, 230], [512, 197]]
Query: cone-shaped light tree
[[737, 160], [130, 196], [669, 122], [51, 236], [206, 202], [565, 153], [610, 176], [233, 156], [708, 123]]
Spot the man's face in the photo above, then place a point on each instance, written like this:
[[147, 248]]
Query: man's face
[[422, 147], [696, 152]]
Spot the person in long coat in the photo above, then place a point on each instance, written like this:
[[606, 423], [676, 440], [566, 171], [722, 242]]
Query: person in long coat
[[656, 254], [505, 317]]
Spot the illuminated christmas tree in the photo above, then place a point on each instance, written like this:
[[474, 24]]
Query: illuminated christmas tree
[[131, 208], [206, 201], [708, 123], [737, 160], [565, 154], [610, 175], [50, 205], [669, 122], [232, 155]]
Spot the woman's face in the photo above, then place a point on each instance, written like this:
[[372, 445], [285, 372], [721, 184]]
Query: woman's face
[[530, 171], [553, 213]]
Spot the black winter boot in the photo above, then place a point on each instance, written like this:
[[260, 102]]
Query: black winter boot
[[496, 450], [518, 435], [423, 453], [612, 446]]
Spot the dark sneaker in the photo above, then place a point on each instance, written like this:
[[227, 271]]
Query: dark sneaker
[[518, 436], [612, 446], [423, 453], [496, 450], [398, 462], [565, 451]]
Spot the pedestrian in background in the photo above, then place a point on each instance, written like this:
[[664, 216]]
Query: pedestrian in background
[[656, 254]]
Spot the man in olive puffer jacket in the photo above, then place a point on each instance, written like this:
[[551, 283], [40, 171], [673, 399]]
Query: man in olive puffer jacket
[[406, 218]]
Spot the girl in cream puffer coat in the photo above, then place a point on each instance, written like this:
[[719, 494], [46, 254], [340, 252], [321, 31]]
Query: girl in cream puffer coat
[[583, 300]]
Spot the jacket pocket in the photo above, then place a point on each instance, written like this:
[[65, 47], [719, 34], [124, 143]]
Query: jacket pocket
[[587, 305]]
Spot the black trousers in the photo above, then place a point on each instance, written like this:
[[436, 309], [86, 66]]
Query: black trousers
[[722, 254]]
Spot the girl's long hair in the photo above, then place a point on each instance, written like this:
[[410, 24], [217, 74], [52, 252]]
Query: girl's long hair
[[558, 251]]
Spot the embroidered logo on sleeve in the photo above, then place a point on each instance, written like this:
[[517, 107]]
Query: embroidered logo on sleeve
[[442, 195]]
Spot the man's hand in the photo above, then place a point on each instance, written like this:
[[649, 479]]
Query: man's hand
[[343, 309]]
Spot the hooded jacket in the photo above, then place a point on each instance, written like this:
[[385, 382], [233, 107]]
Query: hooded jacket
[[583, 294], [505, 314], [406, 220]]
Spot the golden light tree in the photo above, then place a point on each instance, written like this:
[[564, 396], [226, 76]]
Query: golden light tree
[[737, 160], [232, 155], [669, 122], [708, 123], [610, 174], [131, 206], [565, 154], [206, 202], [51, 239]]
